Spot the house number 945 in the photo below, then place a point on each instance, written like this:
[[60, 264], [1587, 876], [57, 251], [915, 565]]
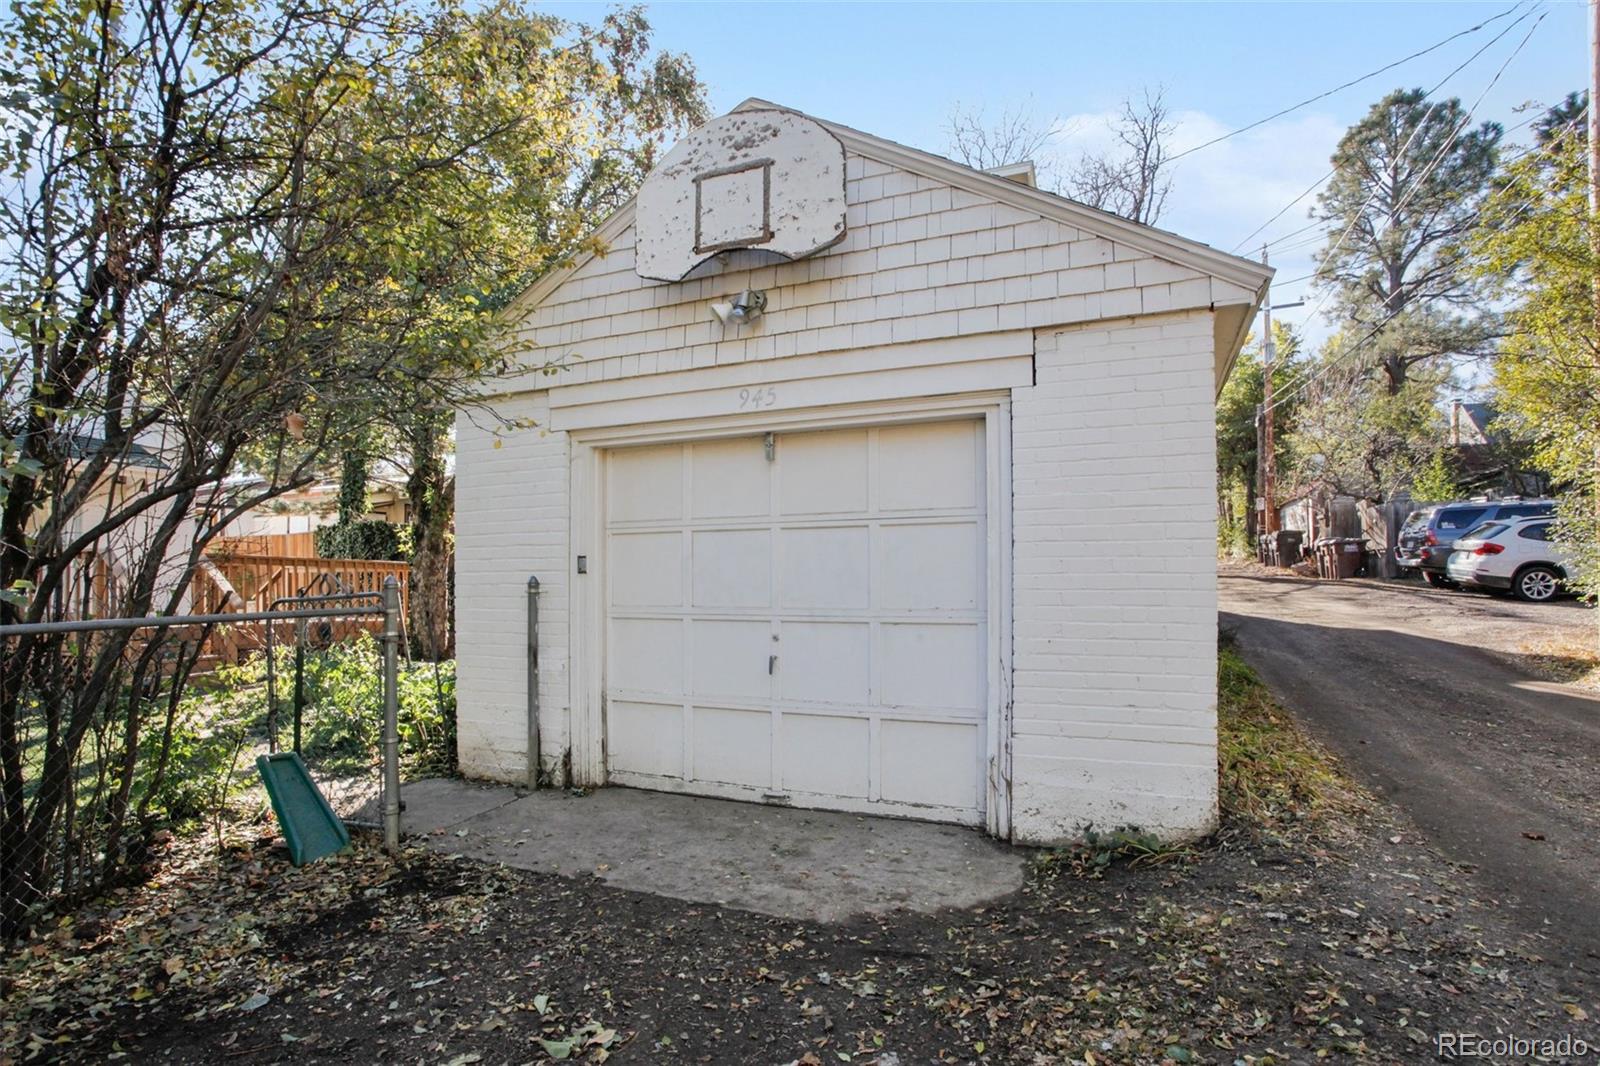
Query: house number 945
[[755, 399]]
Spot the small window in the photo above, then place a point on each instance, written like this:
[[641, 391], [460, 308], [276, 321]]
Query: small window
[[1526, 510], [1487, 531], [1464, 518], [1537, 531]]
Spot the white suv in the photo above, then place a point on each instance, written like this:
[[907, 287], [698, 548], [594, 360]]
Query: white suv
[[1515, 554]]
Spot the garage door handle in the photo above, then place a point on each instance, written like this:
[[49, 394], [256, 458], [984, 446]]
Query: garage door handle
[[772, 664]]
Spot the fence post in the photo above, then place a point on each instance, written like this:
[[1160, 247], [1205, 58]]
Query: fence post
[[533, 683], [391, 714]]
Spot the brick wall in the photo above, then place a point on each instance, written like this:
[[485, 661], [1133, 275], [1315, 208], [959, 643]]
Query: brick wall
[[511, 522], [1113, 463], [1115, 600]]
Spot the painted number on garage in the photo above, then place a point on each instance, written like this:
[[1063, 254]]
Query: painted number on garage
[[757, 398]]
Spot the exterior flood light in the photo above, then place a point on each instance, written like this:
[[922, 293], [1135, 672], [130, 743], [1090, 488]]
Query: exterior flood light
[[743, 308]]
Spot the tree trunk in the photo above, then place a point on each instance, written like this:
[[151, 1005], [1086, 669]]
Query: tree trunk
[[431, 492]]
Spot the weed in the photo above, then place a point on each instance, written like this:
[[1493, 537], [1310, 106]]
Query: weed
[[1271, 776]]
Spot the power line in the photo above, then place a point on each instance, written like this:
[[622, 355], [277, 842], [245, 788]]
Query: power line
[[1439, 85], [1306, 379], [1417, 183], [1311, 376], [1353, 82]]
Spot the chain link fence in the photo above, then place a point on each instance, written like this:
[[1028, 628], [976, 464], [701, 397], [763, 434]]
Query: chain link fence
[[112, 730]]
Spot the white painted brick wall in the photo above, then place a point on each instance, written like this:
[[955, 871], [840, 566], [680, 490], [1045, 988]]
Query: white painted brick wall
[[1113, 460], [1113, 466], [511, 522]]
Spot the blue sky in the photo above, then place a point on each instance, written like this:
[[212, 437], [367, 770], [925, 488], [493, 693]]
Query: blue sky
[[897, 69]]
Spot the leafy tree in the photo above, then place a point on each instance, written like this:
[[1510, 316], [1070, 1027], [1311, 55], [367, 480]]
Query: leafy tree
[[1354, 437], [1409, 181], [546, 203], [235, 234], [1537, 251], [1436, 482]]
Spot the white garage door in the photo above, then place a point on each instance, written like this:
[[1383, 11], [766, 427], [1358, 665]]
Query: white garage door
[[804, 621]]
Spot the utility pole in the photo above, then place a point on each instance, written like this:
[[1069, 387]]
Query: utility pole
[[1269, 465]]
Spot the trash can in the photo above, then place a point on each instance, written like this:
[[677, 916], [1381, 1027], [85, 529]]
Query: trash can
[[1346, 557], [1264, 549], [1287, 546]]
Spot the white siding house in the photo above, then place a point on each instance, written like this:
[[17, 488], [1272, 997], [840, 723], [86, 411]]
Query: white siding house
[[932, 536]]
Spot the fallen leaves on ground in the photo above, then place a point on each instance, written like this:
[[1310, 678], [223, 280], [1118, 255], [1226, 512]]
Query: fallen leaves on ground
[[1312, 927]]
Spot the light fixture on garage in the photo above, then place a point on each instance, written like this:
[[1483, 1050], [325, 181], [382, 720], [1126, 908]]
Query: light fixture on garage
[[743, 308]]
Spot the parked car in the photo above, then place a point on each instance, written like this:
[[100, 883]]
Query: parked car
[[1425, 539], [1516, 554]]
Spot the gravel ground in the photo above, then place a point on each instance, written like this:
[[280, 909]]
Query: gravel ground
[[1556, 640], [1433, 701]]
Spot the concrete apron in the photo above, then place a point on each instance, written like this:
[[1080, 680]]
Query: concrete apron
[[815, 865]]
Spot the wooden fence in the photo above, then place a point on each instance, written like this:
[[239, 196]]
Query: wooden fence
[[261, 579], [276, 545], [254, 583]]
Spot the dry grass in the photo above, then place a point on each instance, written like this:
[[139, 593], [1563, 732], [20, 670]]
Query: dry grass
[[1273, 777], [1563, 657]]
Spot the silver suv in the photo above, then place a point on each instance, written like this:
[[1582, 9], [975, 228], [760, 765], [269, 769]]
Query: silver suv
[[1425, 539]]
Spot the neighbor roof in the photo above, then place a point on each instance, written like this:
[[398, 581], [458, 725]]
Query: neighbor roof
[[85, 445]]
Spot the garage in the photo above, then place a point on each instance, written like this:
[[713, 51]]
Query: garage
[[837, 475], [800, 617]]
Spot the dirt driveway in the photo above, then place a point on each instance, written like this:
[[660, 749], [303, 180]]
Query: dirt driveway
[[1423, 693]]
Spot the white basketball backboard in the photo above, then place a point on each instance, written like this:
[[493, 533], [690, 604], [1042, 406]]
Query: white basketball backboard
[[771, 180]]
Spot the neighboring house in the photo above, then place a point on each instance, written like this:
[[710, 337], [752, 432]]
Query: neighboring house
[[98, 581], [226, 579], [317, 505], [933, 535], [1487, 456]]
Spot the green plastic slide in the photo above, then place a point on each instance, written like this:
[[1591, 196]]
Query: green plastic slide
[[309, 825]]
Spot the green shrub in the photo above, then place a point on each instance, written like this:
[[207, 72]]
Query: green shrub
[[342, 721], [216, 721], [358, 540]]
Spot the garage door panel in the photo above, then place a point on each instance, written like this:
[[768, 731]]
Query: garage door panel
[[732, 568], [825, 662], [647, 569], [857, 558], [934, 763], [730, 479], [825, 568], [645, 484], [930, 567], [645, 738], [929, 466], [823, 473], [933, 666], [647, 655], [826, 755], [729, 658], [732, 747]]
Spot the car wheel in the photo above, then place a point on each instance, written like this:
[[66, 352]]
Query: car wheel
[[1438, 581], [1536, 584]]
